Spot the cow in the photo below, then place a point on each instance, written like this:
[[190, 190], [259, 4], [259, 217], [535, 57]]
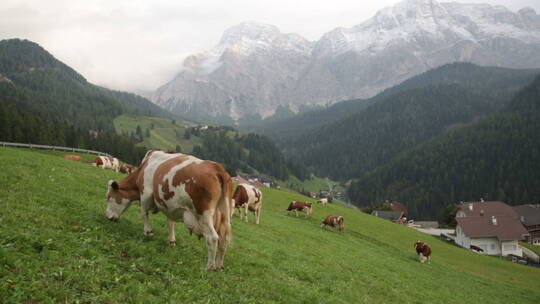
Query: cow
[[423, 250], [106, 162], [334, 221], [323, 201], [72, 157], [127, 169], [476, 248], [247, 197], [185, 188], [300, 206]]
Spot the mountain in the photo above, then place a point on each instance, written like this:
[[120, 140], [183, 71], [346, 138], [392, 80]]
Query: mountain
[[55, 90], [347, 144], [44, 101], [256, 70], [497, 159], [492, 82], [251, 62]]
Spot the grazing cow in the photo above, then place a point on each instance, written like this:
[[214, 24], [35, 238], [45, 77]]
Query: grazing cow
[[476, 248], [185, 188], [106, 162], [247, 197], [334, 221], [423, 250], [323, 201], [127, 169], [300, 206], [72, 157]]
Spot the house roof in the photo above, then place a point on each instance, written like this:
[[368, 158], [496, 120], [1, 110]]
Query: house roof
[[507, 228], [388, 215], [529, 214], [397, 206], [478, 221], [487, 208]]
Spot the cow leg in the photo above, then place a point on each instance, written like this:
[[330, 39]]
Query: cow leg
[[172, 232], [296, 212], [223, 242], [211, 236], [246, 212], [147, 228], [257, 215]]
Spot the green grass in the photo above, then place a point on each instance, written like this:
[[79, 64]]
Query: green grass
[[56, 246], [162, 136]]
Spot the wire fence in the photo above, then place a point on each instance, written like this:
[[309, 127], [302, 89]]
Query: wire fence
[[56, 148]]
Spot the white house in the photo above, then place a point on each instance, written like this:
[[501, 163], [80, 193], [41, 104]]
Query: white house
[[492, 226]]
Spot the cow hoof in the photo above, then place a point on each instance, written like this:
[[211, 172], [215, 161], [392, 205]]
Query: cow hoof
[[149, 233], [172, 244]]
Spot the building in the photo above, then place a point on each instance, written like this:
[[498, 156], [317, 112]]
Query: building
[[394, 216], [397, 206], [492, 226], [529, 216]]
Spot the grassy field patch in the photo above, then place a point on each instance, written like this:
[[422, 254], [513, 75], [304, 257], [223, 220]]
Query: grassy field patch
[[57, 246]]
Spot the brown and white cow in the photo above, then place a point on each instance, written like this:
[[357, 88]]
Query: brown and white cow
[[106, 162], [127, 169], [323, 201], [185, 188], [423, 250], [334, 221], [247, 197], [300, 206]]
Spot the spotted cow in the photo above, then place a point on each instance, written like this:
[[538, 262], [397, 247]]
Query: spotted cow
[[185, 188], [247, 197], [127, 169], [323, 201], [106, 162], [423, 250], [334, 221], [300, 206]]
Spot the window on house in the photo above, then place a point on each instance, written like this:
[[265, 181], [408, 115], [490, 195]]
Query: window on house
[[492, 246]]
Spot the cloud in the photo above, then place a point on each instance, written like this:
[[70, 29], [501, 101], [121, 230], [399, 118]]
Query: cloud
[[140, 45]]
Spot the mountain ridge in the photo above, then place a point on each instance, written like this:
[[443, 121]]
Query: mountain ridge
[[255, 69]]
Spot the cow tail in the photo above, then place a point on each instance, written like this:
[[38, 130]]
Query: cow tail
[[224, 207]]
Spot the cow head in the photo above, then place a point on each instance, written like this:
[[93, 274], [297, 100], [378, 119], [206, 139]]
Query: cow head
[[119, 200]]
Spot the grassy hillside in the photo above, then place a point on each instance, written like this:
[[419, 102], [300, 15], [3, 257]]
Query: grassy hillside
[[57, 246], [165, 135]]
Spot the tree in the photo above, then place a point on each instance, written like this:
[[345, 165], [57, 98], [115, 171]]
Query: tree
[[178, 149]]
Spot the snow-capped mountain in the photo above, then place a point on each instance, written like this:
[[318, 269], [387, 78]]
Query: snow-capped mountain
[[255, 68], [252, 70]]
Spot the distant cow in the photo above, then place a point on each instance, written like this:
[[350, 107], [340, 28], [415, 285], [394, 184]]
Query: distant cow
[[300, 206], [323, 201], [106, 162], [72, 157], [185, 188], [423, 250], [334, 221], [127, 169], [476, 248], [247, 197]]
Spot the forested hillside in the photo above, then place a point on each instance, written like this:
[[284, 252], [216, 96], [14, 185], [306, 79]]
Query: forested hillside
[[239, 152], [490, 82], [402, 118], [496, 159], [44, 101]]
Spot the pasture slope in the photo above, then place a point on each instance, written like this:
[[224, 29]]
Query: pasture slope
[[56, 246]]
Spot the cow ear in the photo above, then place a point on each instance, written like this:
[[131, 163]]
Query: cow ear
[[113, 185]]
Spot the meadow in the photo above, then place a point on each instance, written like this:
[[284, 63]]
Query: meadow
[[56, 246]]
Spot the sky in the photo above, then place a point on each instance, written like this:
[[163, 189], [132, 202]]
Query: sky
[[138, 45]]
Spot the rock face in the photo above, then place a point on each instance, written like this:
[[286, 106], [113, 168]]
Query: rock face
[[256, 69]]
